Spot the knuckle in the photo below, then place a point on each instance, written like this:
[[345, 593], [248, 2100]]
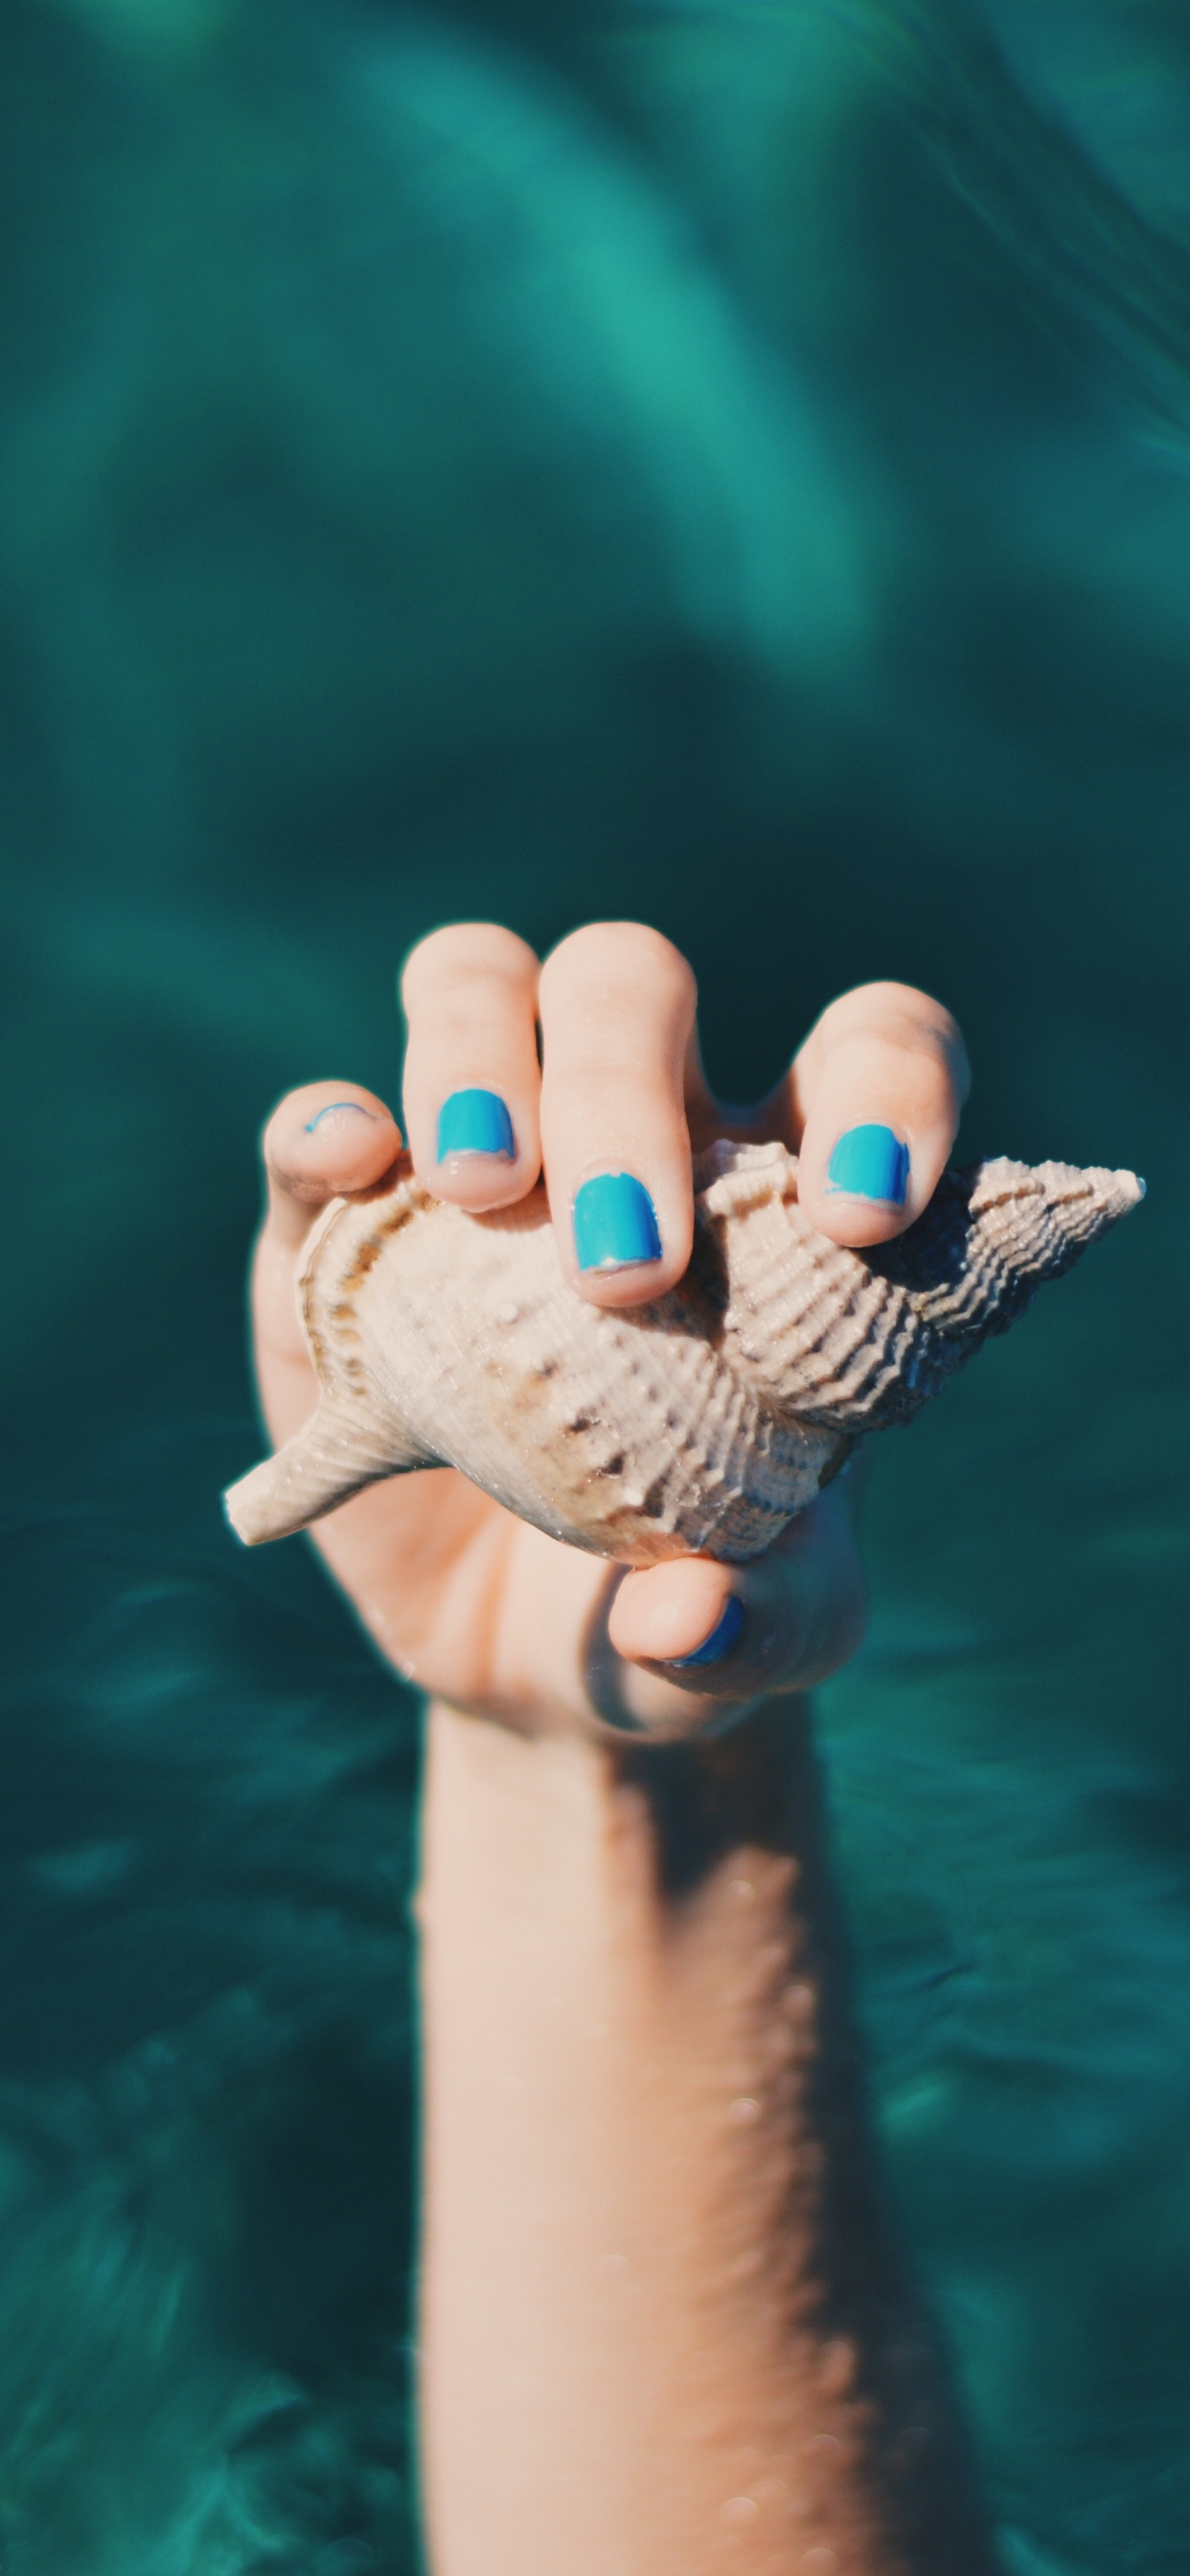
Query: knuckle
[[890, 1005], [901, 1021], [622, 953], [462, 954]]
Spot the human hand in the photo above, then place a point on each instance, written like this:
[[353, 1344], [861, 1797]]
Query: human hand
[[476, 1606]]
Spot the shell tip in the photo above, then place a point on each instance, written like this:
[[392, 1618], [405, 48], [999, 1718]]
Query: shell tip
[[1126, 1191], [242, 1507]]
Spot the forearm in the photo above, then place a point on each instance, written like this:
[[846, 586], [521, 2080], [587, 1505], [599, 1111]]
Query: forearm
[[663, 2327]]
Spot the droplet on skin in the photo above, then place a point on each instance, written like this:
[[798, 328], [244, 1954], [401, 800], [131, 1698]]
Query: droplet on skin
[[509, 1312], [820, 2445], [744, 2112], [818, 2562], [739, 2509], [743, 1891]]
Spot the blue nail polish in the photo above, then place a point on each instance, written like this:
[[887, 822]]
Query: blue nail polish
[[720, 1642], [870, 1163], [615, 1223], [475, 1122]]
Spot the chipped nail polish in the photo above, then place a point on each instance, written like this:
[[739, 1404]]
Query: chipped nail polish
[[615, 1223], [475, 1122], [332, 1106]]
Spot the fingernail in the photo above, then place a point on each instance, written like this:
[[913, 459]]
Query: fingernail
[[720, 1642], [870, 1163], [332, 1107], [475, 1122], [615, 1223]]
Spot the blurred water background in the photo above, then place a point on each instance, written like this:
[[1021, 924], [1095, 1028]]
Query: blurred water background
[[720, 461]]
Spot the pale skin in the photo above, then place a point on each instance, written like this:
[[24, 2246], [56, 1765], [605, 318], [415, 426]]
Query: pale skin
[[663, 2325]]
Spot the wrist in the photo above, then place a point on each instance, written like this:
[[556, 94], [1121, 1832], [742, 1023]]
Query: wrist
[[657, 2278]]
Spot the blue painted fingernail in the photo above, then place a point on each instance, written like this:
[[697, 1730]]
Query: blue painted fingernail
[[615, 1223], [475, 1122], [720, 1642], [870, 1163]]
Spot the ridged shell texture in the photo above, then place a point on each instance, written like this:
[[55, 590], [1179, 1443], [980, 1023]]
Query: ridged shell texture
[[700, 1423]]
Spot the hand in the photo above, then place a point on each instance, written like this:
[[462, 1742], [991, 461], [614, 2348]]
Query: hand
[[475, 1606]]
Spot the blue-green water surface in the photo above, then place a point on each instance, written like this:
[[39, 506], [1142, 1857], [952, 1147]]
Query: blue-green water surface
[[721, 461]]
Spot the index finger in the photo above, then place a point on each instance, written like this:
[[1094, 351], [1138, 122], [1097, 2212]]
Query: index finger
[[874, 1100]]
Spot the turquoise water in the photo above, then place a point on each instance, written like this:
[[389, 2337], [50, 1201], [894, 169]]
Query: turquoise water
[[724, 463]]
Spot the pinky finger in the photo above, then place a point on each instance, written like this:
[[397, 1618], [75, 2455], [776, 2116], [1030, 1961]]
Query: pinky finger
[[323, 1142]]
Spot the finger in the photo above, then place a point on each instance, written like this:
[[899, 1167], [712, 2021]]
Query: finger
[[708, 1640], [666, 1613], [707, 1118], [472, 1082], [617, 1011], [323, 1142], [876, 1091]]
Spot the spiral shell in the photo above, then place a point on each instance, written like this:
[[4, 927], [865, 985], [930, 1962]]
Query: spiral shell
[[698, 1424]]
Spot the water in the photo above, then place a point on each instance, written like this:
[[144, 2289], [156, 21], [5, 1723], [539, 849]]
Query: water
[[724, 464]]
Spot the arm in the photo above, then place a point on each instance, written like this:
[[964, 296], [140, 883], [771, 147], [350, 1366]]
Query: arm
[[664, 2324]]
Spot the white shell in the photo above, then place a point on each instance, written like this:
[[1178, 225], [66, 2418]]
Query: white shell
[[699, 1424]]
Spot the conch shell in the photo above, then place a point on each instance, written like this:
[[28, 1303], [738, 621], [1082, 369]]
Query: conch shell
[[700, 1423]]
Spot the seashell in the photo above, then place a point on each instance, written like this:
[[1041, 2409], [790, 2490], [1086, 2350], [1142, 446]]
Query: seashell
[[700, 1423]]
